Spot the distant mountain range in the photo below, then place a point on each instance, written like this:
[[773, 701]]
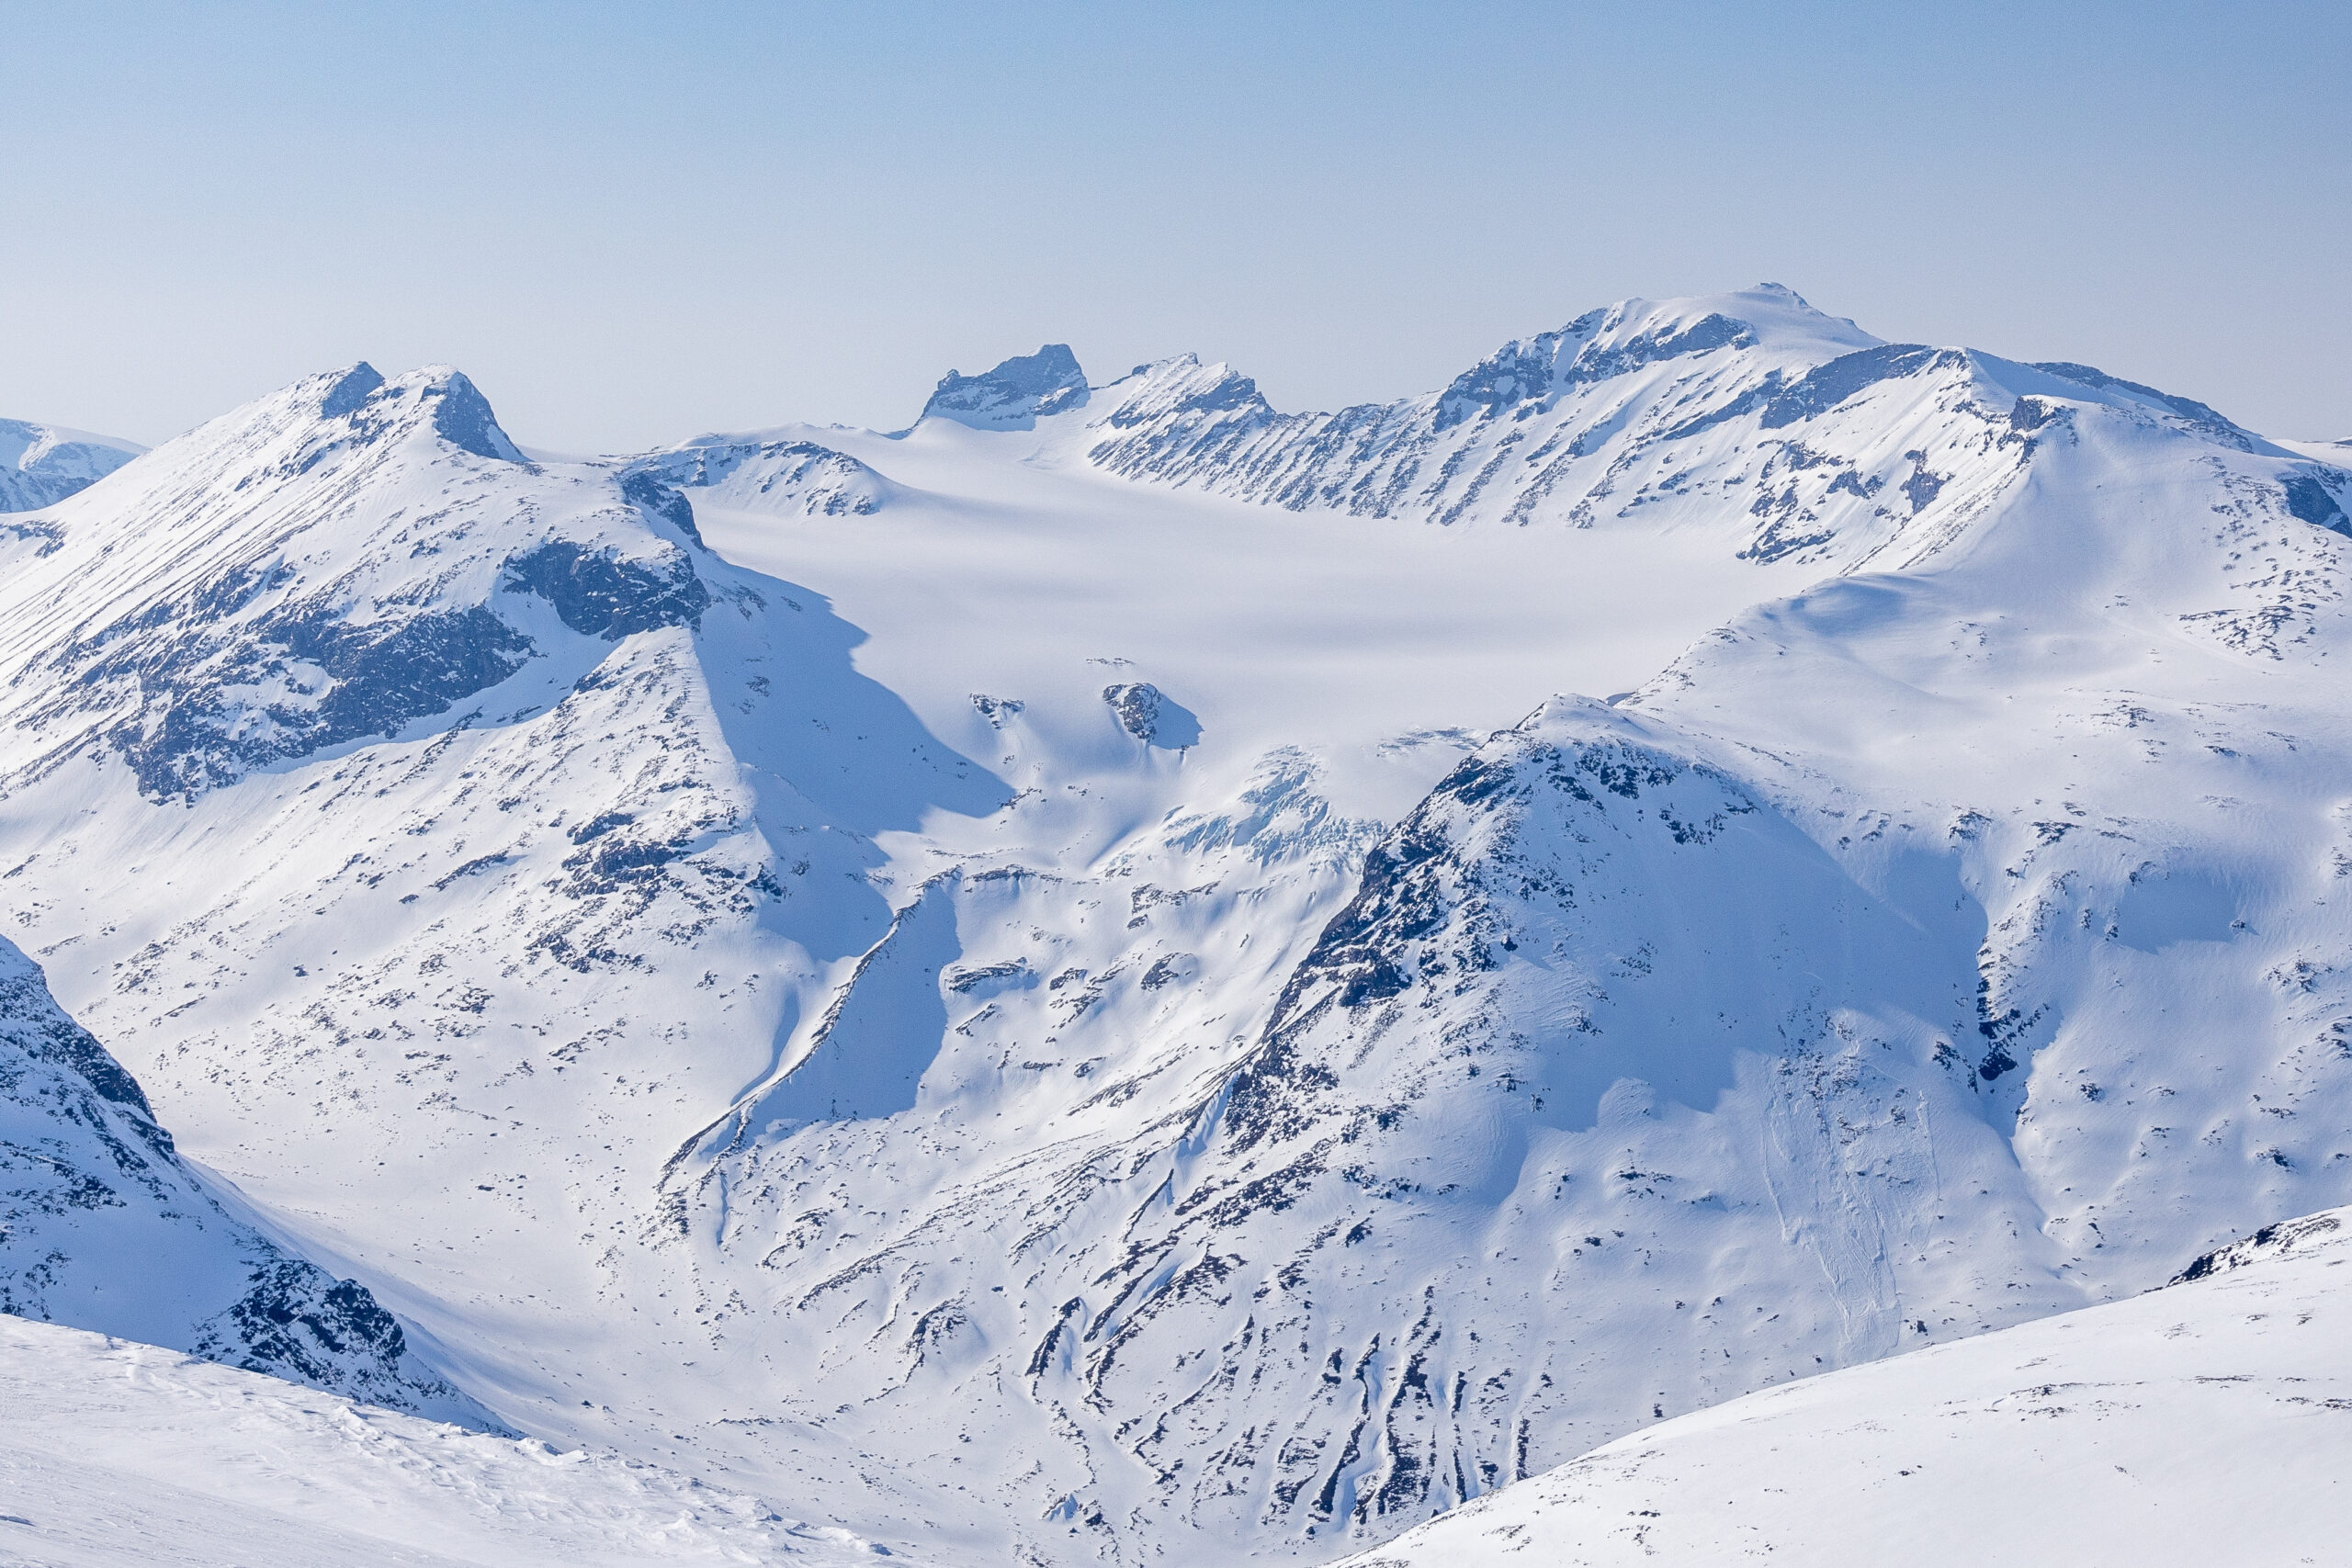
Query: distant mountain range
[[39, 463]]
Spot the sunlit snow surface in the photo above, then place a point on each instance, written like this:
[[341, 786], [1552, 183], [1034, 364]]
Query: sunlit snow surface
[[2208, 1423], [118, 1455], [1158, 979]]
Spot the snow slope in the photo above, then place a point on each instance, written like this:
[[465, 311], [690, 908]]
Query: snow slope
[[103, 1226], [780, 476], [44, 463], [1096, 1007], [2209, 1422], [177, 1464]]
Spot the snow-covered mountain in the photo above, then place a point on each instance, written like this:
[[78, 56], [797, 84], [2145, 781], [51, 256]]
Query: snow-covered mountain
[[103, 1227], [2200, 1423], [1831, 443], [1114, 1003], [43, 463], [783, 474], [1014, 395]]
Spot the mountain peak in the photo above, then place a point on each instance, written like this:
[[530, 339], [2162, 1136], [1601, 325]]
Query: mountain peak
[[1015, 394], [460, 413], [349, 390]]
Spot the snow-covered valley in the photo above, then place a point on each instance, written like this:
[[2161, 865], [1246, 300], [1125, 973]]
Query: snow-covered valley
[[1120, 977]]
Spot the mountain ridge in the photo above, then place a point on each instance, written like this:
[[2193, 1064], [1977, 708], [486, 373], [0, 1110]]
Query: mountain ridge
[[829, 1036]]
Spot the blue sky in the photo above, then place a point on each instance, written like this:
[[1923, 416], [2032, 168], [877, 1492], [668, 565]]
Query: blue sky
[[631, 223]]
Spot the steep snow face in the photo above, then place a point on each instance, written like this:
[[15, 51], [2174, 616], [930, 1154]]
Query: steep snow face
[[961, 1063], [41, 463], [104, 1228], [120, 1455], [2195, 1424], [1014, 395]]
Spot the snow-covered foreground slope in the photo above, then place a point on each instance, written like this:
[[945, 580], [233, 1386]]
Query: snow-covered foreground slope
[[993, 983], [2209, 1422], [120, 1455], [43, 463], [103, 1226]]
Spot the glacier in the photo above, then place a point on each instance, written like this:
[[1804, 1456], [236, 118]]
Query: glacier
[[1119, 974]]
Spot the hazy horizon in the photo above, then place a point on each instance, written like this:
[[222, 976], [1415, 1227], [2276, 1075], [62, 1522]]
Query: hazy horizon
[[629, 228]]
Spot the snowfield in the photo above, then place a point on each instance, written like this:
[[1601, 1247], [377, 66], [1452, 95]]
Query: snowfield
[[1120, 975], [118, 1455], [2210, 1422]]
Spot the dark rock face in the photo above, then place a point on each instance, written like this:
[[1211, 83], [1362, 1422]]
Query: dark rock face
[[102, 1228], [1136, 706], [998, 711], [653, 498], [34, 1024], [299, 1322], [195, 730], [599, 594], [351, 393], [2312, 496], [1014, 395], [219, 695], [446, 401], [2207, 422], [463, 417], [1825, 386], [1148, 714]]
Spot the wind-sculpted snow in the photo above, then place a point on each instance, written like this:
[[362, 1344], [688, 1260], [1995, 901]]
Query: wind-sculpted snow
[[102, 1227], [2201, 1424], [1083, 1041], [40, 464]]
